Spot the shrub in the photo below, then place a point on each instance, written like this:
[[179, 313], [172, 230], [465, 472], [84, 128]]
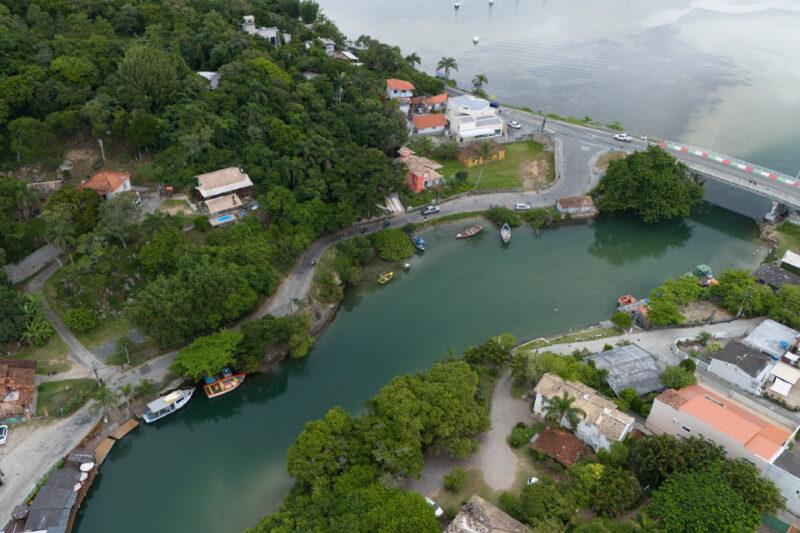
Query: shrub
[[622, 320], [201, 223], [502, 215], [616, 491], [455, 480], [462, 175], [538, 218], [392, 244], [446, 150], [422, 146], [81, 319], [520, 435], [688, 365], [676, 377]]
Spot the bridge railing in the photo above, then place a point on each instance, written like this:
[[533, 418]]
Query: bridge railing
[[730, 161]]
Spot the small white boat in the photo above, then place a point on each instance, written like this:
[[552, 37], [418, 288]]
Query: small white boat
[[505, 233], [161, 407], [457, 4], [491, 2], [475, 40]]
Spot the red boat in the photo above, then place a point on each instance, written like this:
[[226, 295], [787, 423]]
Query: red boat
[[223, 384], [469, 232]]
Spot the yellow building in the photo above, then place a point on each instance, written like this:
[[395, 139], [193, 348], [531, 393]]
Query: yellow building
[[468, 156]]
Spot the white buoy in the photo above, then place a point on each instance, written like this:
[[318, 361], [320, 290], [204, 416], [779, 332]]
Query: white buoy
[[475, 40], [491, 2], [457, 4]]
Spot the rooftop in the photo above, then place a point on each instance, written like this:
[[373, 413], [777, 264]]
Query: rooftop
[[399, 85], [17, 381], [630, 367], [559, 444], [600, 412], [762, 437], [106, 181], [467, 103], [422, 122], [789, 461], [574, 202], [222, 181], [771, 338], [747, 359], [480, 516], [774, 276], [223, 203], [790, 258], [51, 507]]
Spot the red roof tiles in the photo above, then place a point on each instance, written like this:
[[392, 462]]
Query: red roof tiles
[[106, 181], [399, 85], [422, 122], [559, 444]]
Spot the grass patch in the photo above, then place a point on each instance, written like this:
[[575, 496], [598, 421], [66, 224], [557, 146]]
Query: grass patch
[[52, 357], [608, 157], [578, 336], [505, 174], [788, 236], [62, 398]]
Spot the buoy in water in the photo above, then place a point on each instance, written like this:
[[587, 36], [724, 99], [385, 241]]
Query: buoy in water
[[491, 2], [457, 4], [475, 40]]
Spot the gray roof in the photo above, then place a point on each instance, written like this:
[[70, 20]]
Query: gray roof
[[51, 507], [471, 103], [789, 461], [768, 336], [775, 276], [630, 367], [749, 360]]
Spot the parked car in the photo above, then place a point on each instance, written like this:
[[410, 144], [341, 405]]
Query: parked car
[[3, 434], [522, 206], [532, 480], [624, 137], [514, 124], [437, 511], [431, 210]]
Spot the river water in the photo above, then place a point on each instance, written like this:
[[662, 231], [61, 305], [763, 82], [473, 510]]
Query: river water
[[720, 73], [219, 465]]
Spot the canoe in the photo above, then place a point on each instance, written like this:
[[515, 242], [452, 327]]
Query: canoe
[[469, 232], [505, 233], [418, 242], [385, 278]]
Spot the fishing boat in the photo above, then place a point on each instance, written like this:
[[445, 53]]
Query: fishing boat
[[505, 233], [223, 383], [418, 242], [469, 232], [385, 278], [167, 404]]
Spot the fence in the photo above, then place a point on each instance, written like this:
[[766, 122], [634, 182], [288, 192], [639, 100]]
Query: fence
[[32, 264]]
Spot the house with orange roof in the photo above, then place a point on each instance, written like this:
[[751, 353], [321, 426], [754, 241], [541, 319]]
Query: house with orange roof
[[420, 171], [107, 183], [429, 104], [432, 124], [750, 432], [402, 91]]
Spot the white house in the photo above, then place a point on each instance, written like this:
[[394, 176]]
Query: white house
[[747, 432], [271, 34], [472, 118], [603, 423], [741, 365], [108, 183], [772, 338], [433, 124], [328, 44], [782, 383], [576, 205]]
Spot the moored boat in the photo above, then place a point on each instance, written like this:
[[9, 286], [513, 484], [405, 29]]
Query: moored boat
[[385, 278], [469, 232], [167, 404], [505, 233], [223, 384], [418, 242]]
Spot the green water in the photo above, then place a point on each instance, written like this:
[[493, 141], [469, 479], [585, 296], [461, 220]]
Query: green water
[[219, 465]]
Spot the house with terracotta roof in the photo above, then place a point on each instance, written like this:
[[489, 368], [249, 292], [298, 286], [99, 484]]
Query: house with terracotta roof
[[561, 445], [107, 183], [17, 387], [433, 124], [399, 89], [749, 432], [429, 104], [420, 171], [223, 190], [480, 516], [602, 422]]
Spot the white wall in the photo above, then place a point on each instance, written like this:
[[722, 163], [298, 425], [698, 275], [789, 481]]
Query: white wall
[[788, 484], [437, 130], [733, 374]]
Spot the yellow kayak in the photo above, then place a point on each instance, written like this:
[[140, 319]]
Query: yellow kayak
[[385, 278]]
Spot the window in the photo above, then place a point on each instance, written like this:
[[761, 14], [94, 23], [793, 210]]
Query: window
[[687, 430]]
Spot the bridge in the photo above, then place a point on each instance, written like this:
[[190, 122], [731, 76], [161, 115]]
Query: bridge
[[703, 163]]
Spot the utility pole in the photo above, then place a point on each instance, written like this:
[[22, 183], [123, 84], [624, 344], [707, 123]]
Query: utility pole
[[102, 150]]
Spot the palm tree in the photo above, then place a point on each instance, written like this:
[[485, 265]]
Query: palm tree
[[558, 408], [447, 63], [484, 153], [60, 227], [106, 399], [413, 59], [479, 81], [127, 393]]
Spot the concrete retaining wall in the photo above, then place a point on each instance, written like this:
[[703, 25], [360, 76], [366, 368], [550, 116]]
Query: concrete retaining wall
[[32, 264]]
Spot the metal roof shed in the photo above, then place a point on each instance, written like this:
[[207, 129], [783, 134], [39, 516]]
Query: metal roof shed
[[772, 338]]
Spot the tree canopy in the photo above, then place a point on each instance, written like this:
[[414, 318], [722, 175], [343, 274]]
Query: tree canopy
[[652, 184], [207, 356]]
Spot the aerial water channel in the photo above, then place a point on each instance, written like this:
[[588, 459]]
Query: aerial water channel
[[721, 73]]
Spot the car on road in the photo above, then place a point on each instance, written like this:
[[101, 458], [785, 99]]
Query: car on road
[[514, 124], [532, 480], [437, 511], [3, 434], [624, 137], [431, 210], [522, 206]]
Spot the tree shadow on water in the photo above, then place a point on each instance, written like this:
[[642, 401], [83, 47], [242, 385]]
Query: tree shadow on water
[[620, 239]]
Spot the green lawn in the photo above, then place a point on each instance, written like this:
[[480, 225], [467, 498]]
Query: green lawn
[[505, 174], [788, 236], [62, 398], [52, 357], [578, 336]]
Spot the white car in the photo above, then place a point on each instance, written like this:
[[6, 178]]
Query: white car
[[437, 511], [532, 480], [431, 210], [514, 124], [3, 434], [522, 206], [624, 137]]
